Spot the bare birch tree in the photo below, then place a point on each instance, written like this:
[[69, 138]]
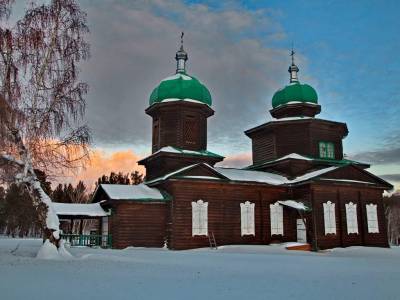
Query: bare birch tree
[[41, 98]]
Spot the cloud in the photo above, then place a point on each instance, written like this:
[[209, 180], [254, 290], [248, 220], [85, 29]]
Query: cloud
[[382, 156], [104, 163], [237, 161], [391, 177], [133, 46]]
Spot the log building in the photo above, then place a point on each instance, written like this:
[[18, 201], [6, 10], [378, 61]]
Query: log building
[[300, 187]]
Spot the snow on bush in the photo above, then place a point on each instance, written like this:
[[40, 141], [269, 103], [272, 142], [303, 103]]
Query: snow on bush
[[50, 252]]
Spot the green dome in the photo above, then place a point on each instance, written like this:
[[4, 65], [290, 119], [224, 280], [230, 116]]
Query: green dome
[[180, 87], [295, 92]]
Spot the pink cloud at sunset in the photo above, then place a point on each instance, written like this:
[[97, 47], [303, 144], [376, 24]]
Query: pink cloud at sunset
[[237, 161], [102, 162]]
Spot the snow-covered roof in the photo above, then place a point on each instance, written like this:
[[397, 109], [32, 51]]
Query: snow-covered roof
[[294, 204], [79, 209], [185, 99], [175, 150], [347, 180], [131, 192], [293, 156], [313, 174], [251, 176], [246, 175], [177, 76], [298, 102], [291, 119]]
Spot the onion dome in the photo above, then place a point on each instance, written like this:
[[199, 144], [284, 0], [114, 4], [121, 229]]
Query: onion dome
[[295, 92], [181, 86]]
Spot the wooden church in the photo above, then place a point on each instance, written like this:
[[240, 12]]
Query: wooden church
[[299, 187]]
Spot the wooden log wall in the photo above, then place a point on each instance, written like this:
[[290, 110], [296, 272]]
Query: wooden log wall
[[272, 142], [340, 195], [138, 224], [224, 217]]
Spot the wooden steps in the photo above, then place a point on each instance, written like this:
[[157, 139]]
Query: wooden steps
[[305, 247]]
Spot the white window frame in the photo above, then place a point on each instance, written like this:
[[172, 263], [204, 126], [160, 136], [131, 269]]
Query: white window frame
[[199, 218], [276, 215], [247, 218], [351, 218], [372, 218], [329, 218]]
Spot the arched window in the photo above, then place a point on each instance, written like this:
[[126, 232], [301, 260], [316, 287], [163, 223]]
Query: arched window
[[276, 218], [199, 218], [329, 217], [372, 218], [351, 218], [247, 218]]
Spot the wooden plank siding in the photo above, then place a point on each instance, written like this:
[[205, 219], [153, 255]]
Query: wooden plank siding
[[138, 224], [340, 195], [180, 124], [167, 163], [298, 136], [146, 224], [263, 148], [224, 213]]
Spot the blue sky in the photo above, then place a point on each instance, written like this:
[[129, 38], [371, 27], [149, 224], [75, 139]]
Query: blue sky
[[353, 52], [352, 49]]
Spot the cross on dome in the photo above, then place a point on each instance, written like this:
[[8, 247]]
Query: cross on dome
[[181, 58]]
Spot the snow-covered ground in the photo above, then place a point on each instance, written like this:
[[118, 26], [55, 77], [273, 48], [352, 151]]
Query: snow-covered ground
[[232, 272]]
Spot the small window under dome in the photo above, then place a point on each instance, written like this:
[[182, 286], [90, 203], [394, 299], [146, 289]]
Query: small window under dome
[[326, 150]]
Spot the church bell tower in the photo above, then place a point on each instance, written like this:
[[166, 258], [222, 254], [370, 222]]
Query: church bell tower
[[179, 107]]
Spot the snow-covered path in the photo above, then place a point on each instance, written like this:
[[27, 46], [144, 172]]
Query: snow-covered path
[[234, 272]]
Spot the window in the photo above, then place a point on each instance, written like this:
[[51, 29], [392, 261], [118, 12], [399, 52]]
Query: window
[[329, 217], [247, 218], [372, 218], [104, 231], [326, 150], [156, 134], [199, 218], [276, 218], [351, 218], [191, 130]]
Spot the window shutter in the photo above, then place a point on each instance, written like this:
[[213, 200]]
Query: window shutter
[[372, 218], [329, 217], [243, 219], [204, 218], [250, 218], [276, 213], [330, 150], [279, 209], [195, 219], [321, 149]]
